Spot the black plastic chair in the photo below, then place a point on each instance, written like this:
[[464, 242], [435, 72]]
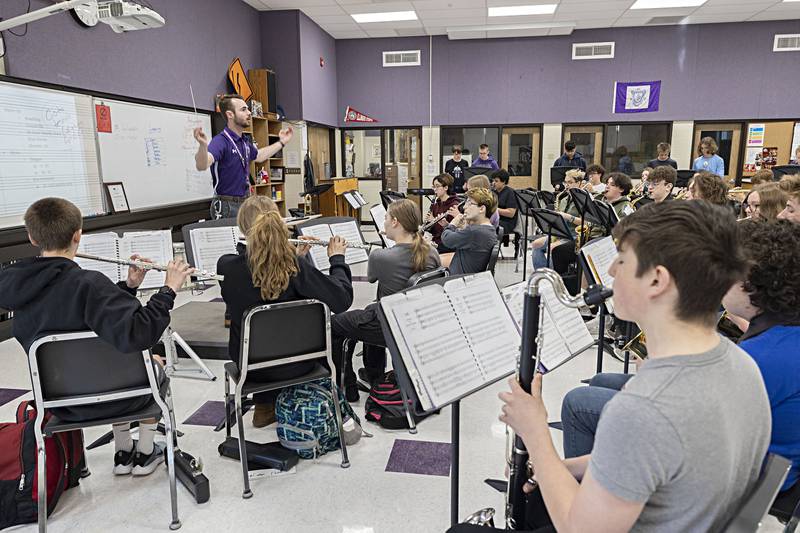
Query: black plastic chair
[[274, 335], [493, 257], [72, 369], [757, 502], [786, 508]]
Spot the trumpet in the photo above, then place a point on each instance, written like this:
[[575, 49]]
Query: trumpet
[[147, 266], [319, 242], [530, 357]]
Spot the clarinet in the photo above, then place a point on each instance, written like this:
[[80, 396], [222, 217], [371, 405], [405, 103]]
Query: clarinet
[[530, 355]]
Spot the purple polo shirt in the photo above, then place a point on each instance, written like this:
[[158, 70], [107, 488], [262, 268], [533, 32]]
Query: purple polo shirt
[[231, 168]]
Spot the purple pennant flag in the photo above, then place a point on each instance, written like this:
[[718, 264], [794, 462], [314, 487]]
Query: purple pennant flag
[[636, 97]]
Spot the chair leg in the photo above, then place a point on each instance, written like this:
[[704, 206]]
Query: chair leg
[[412, 426], [246, 493], [338, 409], [41, 477], [227, 406], [169, 422]]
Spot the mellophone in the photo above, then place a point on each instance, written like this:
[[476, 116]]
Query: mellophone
[[530, 356], [147, 266], [319, 242]]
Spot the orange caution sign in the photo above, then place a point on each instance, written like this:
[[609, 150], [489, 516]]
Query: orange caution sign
[[239, 80]]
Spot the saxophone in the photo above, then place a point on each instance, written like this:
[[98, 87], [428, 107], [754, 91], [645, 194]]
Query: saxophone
[[530, 355]]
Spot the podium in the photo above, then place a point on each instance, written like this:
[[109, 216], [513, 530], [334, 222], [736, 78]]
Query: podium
[[332, 202]]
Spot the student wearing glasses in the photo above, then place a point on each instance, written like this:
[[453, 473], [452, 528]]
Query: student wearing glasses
[[444, 201], [471, 234], [661, 182]]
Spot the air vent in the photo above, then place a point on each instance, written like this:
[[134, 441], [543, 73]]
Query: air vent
[[787, 43], [660, 21], [593, 50], [402, 58]]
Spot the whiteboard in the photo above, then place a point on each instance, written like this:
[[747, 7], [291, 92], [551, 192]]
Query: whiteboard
[[47, 148], [151, 150]]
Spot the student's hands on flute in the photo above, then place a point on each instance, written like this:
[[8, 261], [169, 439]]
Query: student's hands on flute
[[303, 249], [336, 246], [177, 274], [135, 274]]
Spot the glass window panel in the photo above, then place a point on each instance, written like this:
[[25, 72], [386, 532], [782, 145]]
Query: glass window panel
[[362, 153], [470, 140], [520, 157], [584, 143], [628, 147]]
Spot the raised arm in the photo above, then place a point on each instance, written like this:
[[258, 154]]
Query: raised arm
[[202, 159]]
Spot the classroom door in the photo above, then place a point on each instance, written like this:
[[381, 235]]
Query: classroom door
[[319, 150], [588, 141], [520, 156], [729, 140]]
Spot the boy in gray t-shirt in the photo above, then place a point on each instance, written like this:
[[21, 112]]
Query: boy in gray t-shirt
[[683, 443], [471, 234]]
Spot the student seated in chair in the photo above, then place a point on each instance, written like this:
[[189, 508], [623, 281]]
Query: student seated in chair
[[482, 182], [51, 293], [660, 183], [471, 234], [680, 446], [391, 268], [269, 269], [791, 186], [507, 207]]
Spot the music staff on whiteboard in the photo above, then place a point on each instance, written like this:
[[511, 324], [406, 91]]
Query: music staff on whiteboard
[[229, 155]]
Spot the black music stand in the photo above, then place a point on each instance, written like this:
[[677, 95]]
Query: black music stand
[[478, 171], [547, 199], [782, 170], [684, 177], [528, 199], [608, 217], [552, 224], [387, 197], [427, 193], [558, 175], [405, 383]]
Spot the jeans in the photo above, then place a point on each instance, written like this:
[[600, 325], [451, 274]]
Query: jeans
[[224, 208], [539, 256], [581, 409]]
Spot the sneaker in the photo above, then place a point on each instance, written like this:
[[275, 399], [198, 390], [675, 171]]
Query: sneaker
[[351, 393], [146, 464], [123, 462], [263, 415]]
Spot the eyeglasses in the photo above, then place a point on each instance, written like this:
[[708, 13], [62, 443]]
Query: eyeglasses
[[469, 203]]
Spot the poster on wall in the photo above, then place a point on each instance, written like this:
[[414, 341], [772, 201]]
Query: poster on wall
[[793, 159], [755, 134], [759, 158], [636, 97]]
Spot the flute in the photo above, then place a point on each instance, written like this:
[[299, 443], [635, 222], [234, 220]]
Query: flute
[[319, 242], [148, 266]]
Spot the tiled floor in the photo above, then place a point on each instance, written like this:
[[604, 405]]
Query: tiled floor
[[397, 482]]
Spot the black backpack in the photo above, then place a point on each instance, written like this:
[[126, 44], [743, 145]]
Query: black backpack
[[385, 404]]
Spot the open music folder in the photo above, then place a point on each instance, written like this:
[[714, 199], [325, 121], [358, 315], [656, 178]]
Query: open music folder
[[378, 214], [211, 243], [599, 255], [565, 334], [347, 230], [454, 338], [153, 245]]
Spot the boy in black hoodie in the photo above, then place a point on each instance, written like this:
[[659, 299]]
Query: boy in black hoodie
[[51, 293]]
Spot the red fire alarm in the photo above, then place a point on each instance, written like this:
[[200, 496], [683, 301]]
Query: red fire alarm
[[321, 62]]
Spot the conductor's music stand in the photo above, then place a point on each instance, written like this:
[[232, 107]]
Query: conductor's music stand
[[552, 224], [528, 200]]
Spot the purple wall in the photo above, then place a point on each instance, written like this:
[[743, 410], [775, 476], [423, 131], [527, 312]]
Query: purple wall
[[196, 45], [716, 71], [280, 50], [396, 96], [319, 83]]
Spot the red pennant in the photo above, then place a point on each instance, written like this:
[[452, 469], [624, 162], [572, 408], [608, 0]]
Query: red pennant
[[351, 115]]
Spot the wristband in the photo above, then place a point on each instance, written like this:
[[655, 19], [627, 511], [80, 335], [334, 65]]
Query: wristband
[[167, 290]]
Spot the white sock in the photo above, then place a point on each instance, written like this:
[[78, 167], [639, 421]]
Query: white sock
[[147, 433], [122, 437]]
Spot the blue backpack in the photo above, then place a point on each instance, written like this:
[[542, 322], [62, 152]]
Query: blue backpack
[[307, 418]]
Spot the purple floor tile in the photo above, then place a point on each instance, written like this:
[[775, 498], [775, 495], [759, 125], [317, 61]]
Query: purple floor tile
[[7, 395], [209, 414], [420, 457]]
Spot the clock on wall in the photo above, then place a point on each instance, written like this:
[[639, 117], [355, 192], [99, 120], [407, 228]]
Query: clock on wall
[[86, 14]]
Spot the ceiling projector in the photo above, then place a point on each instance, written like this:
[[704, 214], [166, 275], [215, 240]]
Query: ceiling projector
[[125, 16]]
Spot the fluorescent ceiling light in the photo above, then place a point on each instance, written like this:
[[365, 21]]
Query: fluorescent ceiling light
[[512, 27], [660, 4], [516, 11], [391, 16]]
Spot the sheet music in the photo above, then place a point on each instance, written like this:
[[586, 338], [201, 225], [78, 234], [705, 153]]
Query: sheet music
[[351, 199], [155, 246], [349, 232], [600, 254], [491, 333], [453, 338], [378, 213], [430, 338], [319, 254], [360, 198], [104, 245], [554, 350], [209, 244]]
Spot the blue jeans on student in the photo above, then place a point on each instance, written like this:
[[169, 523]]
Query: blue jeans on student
[[539, 256], [581, 408], [224, 208]]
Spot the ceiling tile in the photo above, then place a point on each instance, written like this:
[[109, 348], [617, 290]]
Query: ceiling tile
[[381, 33], [317, 11], [446, 14], [455, 5], [342, 27], [349, 35], [256, 4], [412, 32], [595, 23], [332, 19], [297, 4]]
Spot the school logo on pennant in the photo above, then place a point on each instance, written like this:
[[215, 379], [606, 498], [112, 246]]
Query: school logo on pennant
[[637, 97], [352, 115]]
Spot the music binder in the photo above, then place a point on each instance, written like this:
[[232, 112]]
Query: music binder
[[565, 334], [451, 338], [153, 245], [210, 243], [599, 255], [378, 214], [347, 230]]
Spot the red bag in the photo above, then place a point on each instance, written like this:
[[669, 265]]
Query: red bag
[[18, 459]]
